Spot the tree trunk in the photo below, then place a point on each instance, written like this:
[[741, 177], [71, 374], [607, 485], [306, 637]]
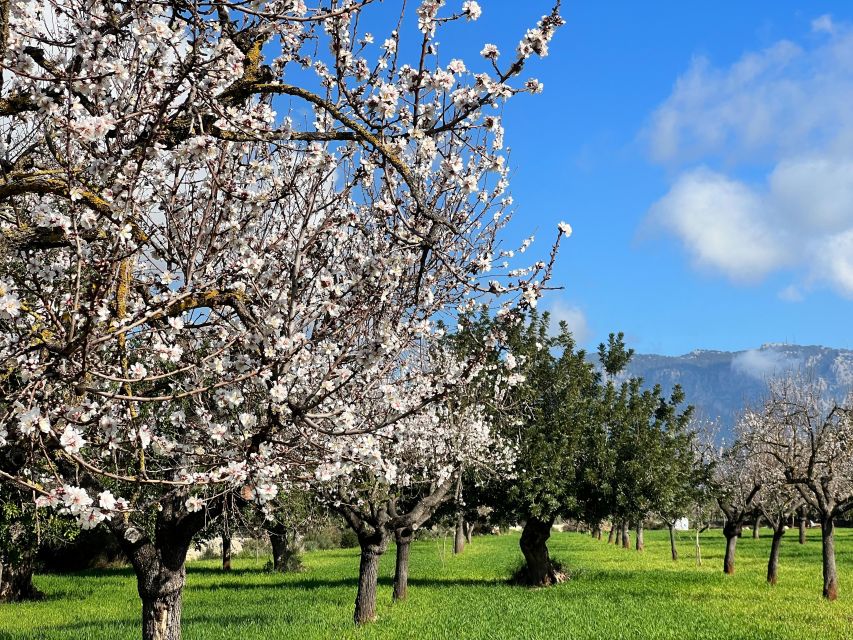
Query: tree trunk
[[469, 531], [801, 522], [160, 578], [285, 551], [626, 538], [226, 552], [459, 539], [538, 570], [161, 616], [755, 529], [698, 547], [773, 563], [641, 543], [598, 533], [403, 538], [830, 576], [373, 545], [672, 542], [16, 581], [611, 534], [731, 531]]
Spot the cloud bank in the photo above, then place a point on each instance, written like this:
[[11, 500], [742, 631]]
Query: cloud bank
[[784, 114]]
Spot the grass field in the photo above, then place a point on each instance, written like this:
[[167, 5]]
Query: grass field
[[613, 593]]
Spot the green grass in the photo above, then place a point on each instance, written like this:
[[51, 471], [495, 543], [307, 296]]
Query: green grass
[[613, 593]]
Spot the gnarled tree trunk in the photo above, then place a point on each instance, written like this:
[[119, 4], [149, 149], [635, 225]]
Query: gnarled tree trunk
[[732, 531], [373, 544], [773, 562], [641, 542], [16, 581], [226, 551], [672, 547], [403, 539], [538, 569], [830, 575]]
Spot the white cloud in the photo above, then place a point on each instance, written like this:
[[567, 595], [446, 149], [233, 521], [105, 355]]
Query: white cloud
[[574, 317], [823, 23], [721, 223], [787, 109], [763, 364]]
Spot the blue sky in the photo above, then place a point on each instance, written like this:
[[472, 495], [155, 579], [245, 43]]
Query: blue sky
[[702, 152]]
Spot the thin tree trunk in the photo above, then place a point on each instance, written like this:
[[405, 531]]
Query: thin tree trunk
[[672, 547], [626, 538], [373, 545], [539, 571], [611, 534], [641, 542], [756, 534], [773, 563], [403, 539], [801, 522], [698, 547], [459, 539], [830, 575], [469, 531], [226, 551], [598, 533]]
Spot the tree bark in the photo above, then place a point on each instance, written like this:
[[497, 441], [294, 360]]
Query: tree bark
[[160, 562], [641, 542], [801, 522], [160, 577], [403, 539], [285, 551], [830, 575], [469, 531], [16, 581], [672, 547], [732, 531], [626, 538], [373, 545], [226, 551], [773, 563], [459, 539], [755, 529], [538, 571], [611, 534]]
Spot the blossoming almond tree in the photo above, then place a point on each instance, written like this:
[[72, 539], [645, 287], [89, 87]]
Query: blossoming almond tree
[[809, 434], [200, 295], [389, 482]]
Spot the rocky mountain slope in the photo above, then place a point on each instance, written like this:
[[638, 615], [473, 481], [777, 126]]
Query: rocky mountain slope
[[719, 383]]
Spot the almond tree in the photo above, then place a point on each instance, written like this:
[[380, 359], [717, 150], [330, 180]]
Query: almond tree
[[809, 436], [389, 483], [198, 293], [736, 480]]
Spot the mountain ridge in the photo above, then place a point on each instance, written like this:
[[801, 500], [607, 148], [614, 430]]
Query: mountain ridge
[[721, 383]]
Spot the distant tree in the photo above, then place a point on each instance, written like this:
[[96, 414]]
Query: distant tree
[[809, 435], [737, 480]]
